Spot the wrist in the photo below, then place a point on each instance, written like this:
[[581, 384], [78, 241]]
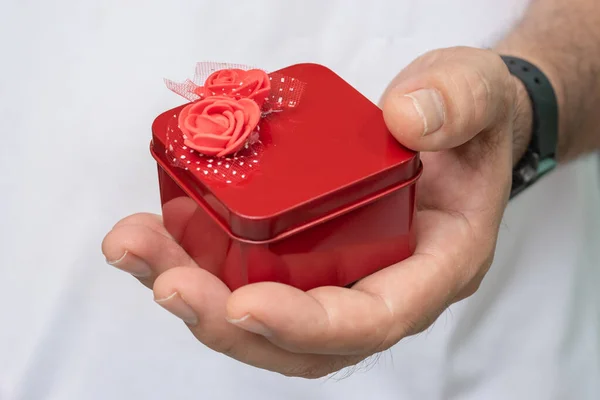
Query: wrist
[[515, 46], [540, 155]]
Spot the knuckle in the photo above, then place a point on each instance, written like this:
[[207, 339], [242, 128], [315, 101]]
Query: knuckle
[[475, 97], [379, 334], [475, 84], [416, 324], [384, 338]]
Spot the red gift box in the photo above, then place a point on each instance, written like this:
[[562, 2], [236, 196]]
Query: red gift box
[[326, 197]]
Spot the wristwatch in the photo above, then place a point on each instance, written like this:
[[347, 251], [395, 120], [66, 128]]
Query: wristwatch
[[540, 157]]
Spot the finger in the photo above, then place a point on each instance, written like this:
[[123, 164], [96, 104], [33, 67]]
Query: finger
[[446, 97], [377, 312], [143, 250], [199, 299]]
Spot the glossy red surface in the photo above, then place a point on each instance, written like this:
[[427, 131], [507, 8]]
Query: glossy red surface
[[331, 200]]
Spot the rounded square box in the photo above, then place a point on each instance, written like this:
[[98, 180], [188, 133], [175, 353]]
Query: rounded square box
[[329, 200]]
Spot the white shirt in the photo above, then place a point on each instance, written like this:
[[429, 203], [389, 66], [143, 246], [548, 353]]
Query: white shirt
[[81, 82]]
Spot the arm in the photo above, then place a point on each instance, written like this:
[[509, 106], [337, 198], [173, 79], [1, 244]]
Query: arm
[[562, 37]]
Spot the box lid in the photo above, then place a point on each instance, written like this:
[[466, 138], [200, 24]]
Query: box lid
[[329, 152]]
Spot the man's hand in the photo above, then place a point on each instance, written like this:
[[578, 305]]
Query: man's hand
[[462, 109]]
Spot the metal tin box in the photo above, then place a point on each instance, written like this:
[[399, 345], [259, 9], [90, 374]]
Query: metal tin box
[[330, 200]]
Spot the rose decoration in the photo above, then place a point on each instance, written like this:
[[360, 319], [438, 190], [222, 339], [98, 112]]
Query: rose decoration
[[218, 125], [252, 84], [216, 136]]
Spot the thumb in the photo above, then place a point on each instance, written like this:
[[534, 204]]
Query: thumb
[[446, 97]]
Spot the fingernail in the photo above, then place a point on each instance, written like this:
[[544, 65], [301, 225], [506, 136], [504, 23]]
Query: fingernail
[[250, 324], [430, 106], [132, 264], [178, 307]]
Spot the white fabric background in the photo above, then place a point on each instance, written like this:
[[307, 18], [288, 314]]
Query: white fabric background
[[81, 82]]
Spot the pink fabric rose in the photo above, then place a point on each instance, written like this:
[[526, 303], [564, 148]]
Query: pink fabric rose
[[253, 84], [218, 125]]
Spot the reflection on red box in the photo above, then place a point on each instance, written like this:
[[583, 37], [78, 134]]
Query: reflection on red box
[[331, 201]]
